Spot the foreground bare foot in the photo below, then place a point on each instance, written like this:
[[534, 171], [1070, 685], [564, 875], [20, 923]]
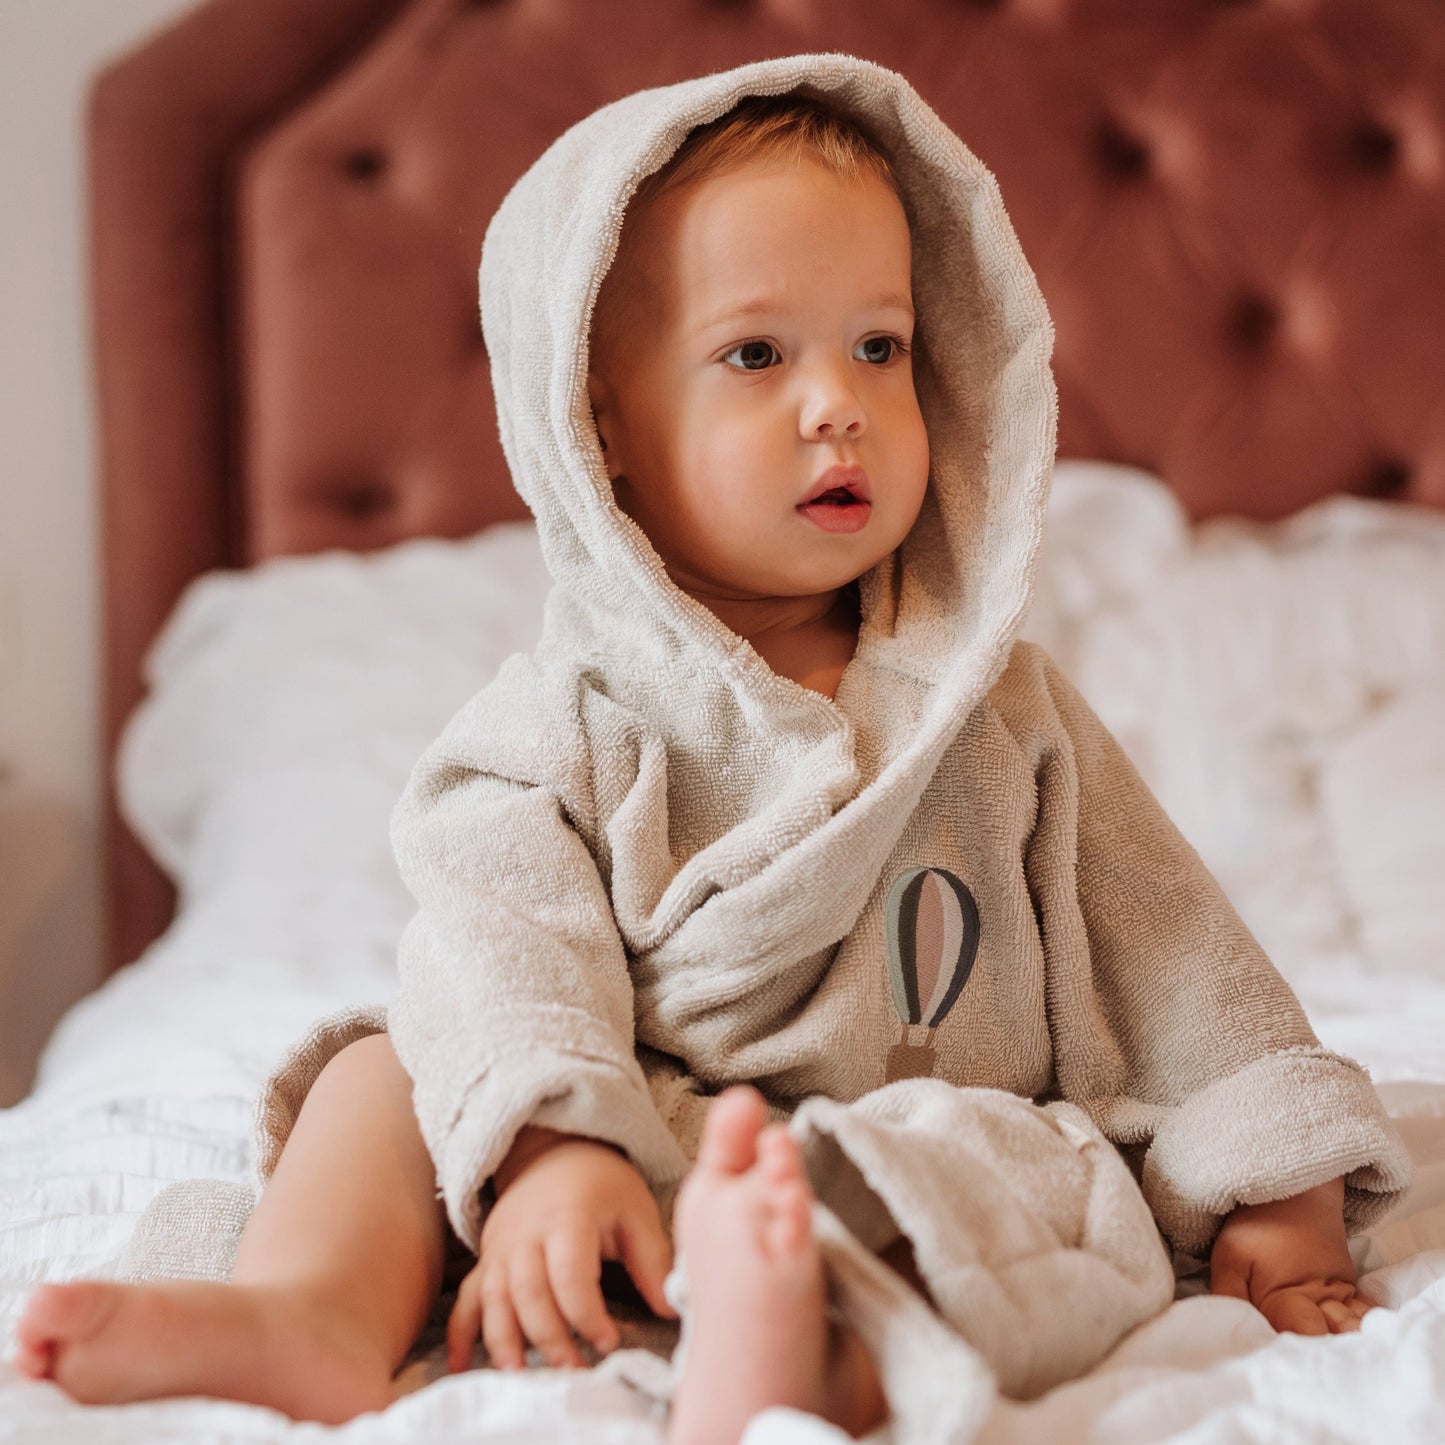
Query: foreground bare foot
[[114, 1343], [758, 1335]]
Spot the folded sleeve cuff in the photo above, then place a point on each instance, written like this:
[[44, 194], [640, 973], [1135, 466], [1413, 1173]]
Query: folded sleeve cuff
[[1281, 1125]]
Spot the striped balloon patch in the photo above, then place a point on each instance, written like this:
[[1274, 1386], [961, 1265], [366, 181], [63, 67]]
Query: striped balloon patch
[[932, 940]]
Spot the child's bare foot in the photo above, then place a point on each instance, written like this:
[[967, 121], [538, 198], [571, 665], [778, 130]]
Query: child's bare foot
[[758, 1335], [113, 1343]]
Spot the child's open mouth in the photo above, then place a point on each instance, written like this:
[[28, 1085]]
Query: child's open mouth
[[839, 502], [837, 511]]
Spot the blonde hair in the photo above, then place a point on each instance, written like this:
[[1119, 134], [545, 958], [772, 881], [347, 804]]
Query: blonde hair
[[764, 127]]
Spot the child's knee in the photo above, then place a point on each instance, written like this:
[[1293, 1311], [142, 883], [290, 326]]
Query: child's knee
[[369, 1062]]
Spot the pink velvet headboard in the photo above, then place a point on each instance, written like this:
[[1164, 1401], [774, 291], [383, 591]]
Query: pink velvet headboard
[[1235, 209]]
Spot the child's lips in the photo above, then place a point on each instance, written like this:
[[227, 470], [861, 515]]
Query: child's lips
[[839, 501], [839, 478], [849, 516]]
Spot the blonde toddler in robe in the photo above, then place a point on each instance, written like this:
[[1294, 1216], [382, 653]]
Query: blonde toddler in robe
[[778, 801]]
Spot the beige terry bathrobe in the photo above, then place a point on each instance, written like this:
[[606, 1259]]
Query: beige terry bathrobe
[[939, 921]]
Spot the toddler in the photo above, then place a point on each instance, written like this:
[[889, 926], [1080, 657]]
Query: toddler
[[779, 802]]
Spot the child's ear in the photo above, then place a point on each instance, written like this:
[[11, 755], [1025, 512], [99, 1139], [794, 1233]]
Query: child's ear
[[599, 396]]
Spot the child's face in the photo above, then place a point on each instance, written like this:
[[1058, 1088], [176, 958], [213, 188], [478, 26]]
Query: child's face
[[749, 342]]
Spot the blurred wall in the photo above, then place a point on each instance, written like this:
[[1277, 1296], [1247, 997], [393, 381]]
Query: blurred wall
[[50, 918]]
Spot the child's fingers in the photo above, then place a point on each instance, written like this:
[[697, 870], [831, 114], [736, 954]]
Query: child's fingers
[[537, 1310], [1293, 1312], [1341, 1319], [464, 1324], [574, 1266], [501, 1333], [646, 1254]]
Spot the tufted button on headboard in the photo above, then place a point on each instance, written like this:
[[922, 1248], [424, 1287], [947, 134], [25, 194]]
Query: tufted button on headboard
[[1235, 208]]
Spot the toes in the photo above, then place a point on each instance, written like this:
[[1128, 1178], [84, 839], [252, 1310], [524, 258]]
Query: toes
[[788, 1230], [63, 1313], [780, 1161], [34, 1362], [730, 1131]]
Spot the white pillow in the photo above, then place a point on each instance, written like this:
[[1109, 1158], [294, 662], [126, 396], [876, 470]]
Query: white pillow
[[288, 703], [1382, 790]]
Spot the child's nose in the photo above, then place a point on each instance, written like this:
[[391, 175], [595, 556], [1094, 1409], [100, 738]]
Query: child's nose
[[831, 406]]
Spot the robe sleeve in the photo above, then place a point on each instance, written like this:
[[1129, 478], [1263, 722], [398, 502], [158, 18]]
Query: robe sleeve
[[515, 1004], [1169, 1024]]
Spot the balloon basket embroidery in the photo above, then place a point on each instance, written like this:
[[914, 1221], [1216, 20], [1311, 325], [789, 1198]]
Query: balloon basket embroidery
[[910, 1061], [933, 932]]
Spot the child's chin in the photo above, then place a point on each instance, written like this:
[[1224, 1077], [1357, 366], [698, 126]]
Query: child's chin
[[812, 582]]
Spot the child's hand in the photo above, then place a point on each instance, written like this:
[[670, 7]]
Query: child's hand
[[1289, 1259], [564, 1205]]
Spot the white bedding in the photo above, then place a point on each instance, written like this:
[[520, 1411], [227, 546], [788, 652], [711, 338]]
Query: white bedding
[[1281, 688]]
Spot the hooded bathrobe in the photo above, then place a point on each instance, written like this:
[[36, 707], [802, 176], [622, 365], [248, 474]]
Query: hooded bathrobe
[[939, 921]]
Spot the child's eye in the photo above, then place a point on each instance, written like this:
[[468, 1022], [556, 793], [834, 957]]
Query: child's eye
[[879, 349], [753, 355]]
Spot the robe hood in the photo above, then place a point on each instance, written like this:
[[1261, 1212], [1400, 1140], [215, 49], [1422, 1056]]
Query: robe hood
[[944, 609]]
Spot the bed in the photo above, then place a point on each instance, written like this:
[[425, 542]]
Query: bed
[[313, 557]]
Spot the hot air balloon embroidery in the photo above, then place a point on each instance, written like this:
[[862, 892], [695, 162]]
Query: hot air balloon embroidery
[[933, 931]]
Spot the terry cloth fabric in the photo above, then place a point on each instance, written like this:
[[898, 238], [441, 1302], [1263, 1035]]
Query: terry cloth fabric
[[190, 1230], [939, 921]]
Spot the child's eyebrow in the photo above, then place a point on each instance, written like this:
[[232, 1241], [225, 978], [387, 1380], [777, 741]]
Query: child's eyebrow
[[767, 305]]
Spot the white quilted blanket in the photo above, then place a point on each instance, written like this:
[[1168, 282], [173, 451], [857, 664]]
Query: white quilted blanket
[[1280, 687]]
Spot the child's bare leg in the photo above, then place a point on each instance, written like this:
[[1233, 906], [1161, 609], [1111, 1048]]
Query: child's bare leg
[[759, 1335], [336, 1273]]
